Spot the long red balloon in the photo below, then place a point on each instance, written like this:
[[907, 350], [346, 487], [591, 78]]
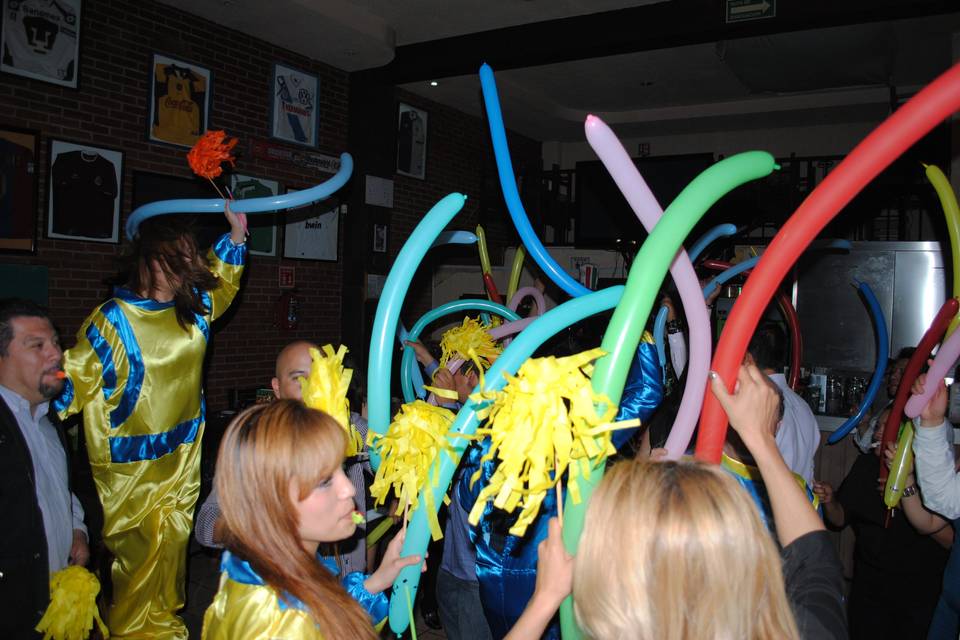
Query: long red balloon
[[789, 314], [899, 132], [937, 328]]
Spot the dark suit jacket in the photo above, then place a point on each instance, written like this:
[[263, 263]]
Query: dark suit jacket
[[24, 568]]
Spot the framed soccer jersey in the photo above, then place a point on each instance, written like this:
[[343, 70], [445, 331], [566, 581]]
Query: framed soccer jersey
[[41, 40], [262, 226], [83, 192], [179, 101], [312, 232], [411, 141], [19, 152], [295, 111]]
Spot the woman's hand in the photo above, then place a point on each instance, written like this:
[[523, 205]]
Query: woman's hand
[[554, 569], [824, 491], [935, 412], [238, 224], [390, 566], [753, 408]]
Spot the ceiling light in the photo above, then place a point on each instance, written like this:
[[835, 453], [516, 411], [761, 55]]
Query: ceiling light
[[433, 83]]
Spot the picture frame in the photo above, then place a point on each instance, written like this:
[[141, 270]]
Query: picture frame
[[295, 105], [179, 101], [46, 48], [412, 141], [19, 155], [312, 232], [84, 192], [263, 228], [380, 233]]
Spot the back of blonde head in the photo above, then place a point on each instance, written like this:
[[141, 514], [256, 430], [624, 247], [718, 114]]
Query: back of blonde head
[[676, 551], [263, 451]]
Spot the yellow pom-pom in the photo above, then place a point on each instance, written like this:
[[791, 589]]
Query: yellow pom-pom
[[543, 423], [73, 606], [409, 449], [325, 389], [458, 342]]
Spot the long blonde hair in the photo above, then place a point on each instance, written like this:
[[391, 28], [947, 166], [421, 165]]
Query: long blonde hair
[[676, 551], [264, 449]]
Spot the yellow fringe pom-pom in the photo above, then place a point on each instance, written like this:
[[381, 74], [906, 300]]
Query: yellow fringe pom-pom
[[542, 424], [325, 389], [408, 450], [458, 342], [73, 606]]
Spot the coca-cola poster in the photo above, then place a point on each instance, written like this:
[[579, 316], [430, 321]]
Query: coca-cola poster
[[179, 101]]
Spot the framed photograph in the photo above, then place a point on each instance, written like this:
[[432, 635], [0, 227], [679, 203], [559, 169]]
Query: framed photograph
[[262, 227], [179, 101], [83, 192], [312, 232], [411, 141], [379, 238], [41, 40], [19, 151], [295, 111]]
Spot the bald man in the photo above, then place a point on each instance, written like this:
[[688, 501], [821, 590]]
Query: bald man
[[293, 363]]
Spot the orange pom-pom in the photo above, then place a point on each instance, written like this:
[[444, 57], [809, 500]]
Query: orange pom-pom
[[212, 149]]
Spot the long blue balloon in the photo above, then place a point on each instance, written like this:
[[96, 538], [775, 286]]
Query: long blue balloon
[[883, 352], [719, 231], [251, 205], [455, 237], [508, 184], [522, 347], [408, 362], [388, 310]]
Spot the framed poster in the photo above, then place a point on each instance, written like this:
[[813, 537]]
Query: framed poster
[[312, 232], [411, 141], [83, 192], [179, 101], [41, 40], [263, 226], [295, 108], [19, 150], [379, 238]]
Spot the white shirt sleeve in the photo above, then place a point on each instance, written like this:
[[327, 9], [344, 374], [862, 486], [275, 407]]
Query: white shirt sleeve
[[678, 352], [936, 471], [77, 510]]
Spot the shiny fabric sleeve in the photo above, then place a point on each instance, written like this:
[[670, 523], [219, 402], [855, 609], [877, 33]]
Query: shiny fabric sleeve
[[226, 261], [95, 364], [643, 391], [376, 605]]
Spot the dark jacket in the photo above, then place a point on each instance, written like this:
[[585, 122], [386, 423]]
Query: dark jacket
[[24, 568]]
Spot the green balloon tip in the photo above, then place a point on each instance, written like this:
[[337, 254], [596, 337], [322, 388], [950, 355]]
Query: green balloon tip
[[776, 167]]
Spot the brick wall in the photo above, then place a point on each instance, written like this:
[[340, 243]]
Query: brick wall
[[110, 109]]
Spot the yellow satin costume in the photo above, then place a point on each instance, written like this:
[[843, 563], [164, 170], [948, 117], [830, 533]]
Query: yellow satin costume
[[246, 607], [137, 376]]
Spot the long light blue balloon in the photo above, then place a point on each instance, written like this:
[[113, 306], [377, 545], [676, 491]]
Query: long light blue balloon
[[883, 352], [265, 204], [719, 231], [416, 376], [388, 310], [659, 329], [508, 184], [728, 274], [455, 237], [408, 363], [441, 474]]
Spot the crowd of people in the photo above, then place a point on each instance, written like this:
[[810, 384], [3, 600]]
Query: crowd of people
[[669, 549]]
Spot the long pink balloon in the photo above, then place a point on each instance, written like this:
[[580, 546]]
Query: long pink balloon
[[946, 358], [524, 292], [618, 163]]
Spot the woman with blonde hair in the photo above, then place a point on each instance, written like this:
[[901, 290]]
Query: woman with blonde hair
[[677, 550], [283, 494]]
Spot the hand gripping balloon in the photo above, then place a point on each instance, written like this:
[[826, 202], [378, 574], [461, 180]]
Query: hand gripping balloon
[[946, 359], [624, 173], [883, 352], [626, 326], [908, 124]]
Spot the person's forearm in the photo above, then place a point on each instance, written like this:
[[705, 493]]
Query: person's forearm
[[792, 512], [923, 521], [834, 514], [935, 469]]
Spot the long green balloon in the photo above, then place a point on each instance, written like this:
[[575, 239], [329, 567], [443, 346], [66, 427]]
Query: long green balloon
[[623, 334], [948, 200]]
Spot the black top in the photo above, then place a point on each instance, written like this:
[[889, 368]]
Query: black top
[[814, 582]]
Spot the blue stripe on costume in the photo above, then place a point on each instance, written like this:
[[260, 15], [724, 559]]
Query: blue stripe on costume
[[131, 391], [65, 399], [229, 252], [155, 445], [200, 320], [105, 353]]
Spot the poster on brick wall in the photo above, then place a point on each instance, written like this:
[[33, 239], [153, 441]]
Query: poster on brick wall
[[41, 40], [179, 101], [312, 232], [295, 107], [411, 141], [83, 192], [18, 189], [262, 228]]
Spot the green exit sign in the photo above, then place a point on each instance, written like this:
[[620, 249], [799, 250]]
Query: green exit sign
[[741, 10]]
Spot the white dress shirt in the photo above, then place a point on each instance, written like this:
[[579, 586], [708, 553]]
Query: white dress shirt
[[61, 510], [798, 435], [936, 470]]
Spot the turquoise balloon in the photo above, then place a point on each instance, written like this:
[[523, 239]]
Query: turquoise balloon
[[388, 310], [441, 474]]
